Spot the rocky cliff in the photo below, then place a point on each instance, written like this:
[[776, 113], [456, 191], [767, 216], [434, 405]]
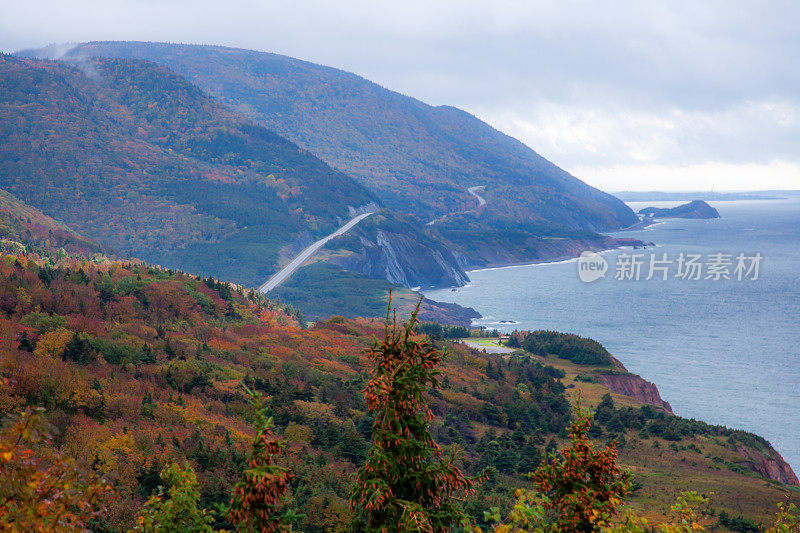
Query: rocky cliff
[[401, 259], [758, 457], [768, 464], [389, 247], [623, 382]]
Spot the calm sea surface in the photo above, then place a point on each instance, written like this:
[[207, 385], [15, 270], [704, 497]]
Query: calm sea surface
[[726, 352]]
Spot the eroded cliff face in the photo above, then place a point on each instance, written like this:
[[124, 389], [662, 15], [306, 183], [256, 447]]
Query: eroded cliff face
[[636, 387], [403, 259], [768, 464]]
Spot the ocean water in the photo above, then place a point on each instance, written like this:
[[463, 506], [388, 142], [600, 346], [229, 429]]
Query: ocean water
[[726, 352]]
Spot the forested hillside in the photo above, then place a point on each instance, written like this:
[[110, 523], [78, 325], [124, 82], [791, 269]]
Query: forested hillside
[[21, 223], [131, 155], [418, 159], [139, 367], [144, 370]]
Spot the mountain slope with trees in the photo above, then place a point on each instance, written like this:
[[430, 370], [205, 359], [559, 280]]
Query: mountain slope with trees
[[140, 367], [136, 158], [419, 159], [21, 223]]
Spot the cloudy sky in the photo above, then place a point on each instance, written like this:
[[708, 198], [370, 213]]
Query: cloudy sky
[[633, 95]]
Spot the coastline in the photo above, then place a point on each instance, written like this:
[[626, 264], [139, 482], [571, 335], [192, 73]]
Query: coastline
[[539, 299], [642, 224], [554, 261], [564, 258]]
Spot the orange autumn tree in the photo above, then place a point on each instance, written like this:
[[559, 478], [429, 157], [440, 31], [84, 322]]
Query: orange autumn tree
[[406, 483], [41, 490], [259, 499], [579, 489], [53, 344], [584, 485]]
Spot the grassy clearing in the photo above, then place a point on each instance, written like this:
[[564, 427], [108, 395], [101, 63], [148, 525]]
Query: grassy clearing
[[487, 341]]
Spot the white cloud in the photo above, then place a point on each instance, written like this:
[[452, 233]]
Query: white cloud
[[717, 176], [604, 135]]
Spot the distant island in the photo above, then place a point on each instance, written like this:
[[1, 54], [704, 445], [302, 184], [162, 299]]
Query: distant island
[[694, 209]]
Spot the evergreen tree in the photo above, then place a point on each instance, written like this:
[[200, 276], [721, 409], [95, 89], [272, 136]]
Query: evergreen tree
[[583, 485], [406, 483], [77, 349], [258, 497], [174, 509], [605, 409], [25, 343], [530, 458], [148, 406]]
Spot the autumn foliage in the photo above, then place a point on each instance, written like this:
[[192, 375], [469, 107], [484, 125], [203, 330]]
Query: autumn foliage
[[174, 509], [584, 485], [40, 491], [406, 483], [150, 374]]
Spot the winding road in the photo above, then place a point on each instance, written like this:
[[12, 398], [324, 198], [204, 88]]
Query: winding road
[[306, 254], [474, 192]]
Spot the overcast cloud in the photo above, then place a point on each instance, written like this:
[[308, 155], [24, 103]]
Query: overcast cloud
[[626, 95]]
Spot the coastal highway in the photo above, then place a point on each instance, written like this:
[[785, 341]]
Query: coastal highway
[[309, 251]]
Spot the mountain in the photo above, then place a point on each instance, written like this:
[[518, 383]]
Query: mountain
[[419, 159], [136, 158], [139, 366], [323, 289]]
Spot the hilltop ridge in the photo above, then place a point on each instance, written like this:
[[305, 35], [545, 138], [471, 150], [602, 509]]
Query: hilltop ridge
[[418, 159]]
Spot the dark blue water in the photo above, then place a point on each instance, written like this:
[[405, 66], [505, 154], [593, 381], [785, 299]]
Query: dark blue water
[[726, 352]]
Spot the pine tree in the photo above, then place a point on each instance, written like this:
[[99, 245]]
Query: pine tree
[[25, 343], [583, 484], [406, 483], [259, 496]]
